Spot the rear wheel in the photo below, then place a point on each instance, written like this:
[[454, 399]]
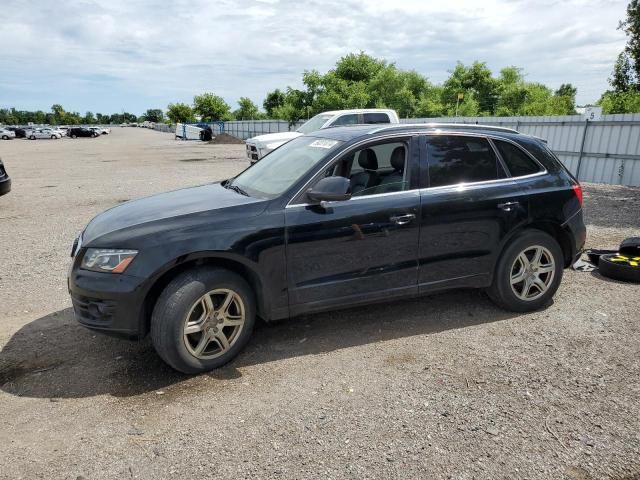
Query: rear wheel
[[528, 272], [5, 137], [203, 319], [74, 136], [32, 137]]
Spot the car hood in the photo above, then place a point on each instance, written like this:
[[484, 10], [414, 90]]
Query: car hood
[[274, 137], [201, 200]]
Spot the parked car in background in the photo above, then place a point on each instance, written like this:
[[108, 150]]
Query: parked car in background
[[40, 133], [101, 130], [5, 181], [6, 134], [337, 218], [188, 132], [258, 147], [76, 132], [19, 131]]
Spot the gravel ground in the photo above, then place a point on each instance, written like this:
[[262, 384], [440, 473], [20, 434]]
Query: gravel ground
[[446, 386]]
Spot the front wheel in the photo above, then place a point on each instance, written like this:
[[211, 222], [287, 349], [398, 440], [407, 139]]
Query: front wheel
[[74, 136], [53, 137], [32, 137], [5, 137], [528, 272], [203, 319]]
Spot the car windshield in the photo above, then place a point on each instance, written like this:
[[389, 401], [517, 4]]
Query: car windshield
[[282, 168], [315, 123]]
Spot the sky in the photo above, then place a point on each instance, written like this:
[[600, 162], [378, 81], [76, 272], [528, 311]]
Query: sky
[[109, 55]]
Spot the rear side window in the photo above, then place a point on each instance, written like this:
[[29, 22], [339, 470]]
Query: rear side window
[[375, 118], [459, 159], [351, 119], [518, 162]]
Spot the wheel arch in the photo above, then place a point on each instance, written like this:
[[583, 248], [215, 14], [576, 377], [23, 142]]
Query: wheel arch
[[238, 265], [553, 229]]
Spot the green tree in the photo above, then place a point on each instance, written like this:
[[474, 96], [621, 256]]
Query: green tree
[[564, 101], [89, 119], [631, 26], [272, 101], [476, 80], [623, 78], [59, 115], [180, 113], [153, 115], [211, 107], [247, 111]]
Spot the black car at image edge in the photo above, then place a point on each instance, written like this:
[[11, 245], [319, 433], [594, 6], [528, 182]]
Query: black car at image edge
[[5, 181], [340, 217]]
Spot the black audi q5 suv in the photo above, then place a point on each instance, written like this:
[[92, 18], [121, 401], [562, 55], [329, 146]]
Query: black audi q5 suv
[[339, 217]]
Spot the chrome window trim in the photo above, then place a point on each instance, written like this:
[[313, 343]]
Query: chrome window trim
[[522, 149], [360, 197], [465, 186], [412, 133]]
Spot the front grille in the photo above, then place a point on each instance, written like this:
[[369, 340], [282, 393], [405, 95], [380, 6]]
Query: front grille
[[93, 311], [252, 152]]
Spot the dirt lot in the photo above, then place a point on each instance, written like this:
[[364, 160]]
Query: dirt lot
[[446, 386]]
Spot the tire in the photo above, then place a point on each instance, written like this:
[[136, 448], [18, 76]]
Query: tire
[[74, 136], [620, 267], [53, 137], [182, 304], [539, 280], [32, 137], [5, 137]]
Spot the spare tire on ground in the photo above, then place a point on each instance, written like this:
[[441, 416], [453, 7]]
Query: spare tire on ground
[[620, 266]]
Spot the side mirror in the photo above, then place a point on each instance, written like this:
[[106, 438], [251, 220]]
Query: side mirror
[[330, 189]]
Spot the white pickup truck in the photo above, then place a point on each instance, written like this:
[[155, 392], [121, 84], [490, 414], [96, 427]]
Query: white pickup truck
[[258, 147]]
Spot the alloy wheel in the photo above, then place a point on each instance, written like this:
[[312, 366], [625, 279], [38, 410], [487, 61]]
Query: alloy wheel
[[214, 323], [532, 273]]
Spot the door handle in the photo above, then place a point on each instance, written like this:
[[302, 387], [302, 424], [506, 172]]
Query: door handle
[[508, 206], [403, 219]]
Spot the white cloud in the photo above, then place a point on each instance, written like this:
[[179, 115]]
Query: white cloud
[[104, 56]]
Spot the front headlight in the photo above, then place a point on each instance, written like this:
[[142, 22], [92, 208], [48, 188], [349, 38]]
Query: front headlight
[[107, 260]]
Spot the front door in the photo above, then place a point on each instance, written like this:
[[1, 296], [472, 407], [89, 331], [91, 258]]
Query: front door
[[361, 249]]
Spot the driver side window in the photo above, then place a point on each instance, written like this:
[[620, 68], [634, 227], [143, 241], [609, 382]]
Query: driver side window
[[374, 169]]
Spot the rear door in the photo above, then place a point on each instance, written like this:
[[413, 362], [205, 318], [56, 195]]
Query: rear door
[[361, 249], [469, 206]]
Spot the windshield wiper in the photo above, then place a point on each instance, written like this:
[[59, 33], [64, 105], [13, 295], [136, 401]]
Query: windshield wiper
[[235, 188]]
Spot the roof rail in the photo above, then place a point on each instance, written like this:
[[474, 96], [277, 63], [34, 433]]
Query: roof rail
[[471, 126]]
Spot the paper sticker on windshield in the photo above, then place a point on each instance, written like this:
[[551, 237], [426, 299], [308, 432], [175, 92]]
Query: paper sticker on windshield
[[323, 143]]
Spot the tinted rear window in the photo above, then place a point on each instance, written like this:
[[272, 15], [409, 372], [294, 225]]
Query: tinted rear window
[[375, 118], [458, 159], [517, 161]]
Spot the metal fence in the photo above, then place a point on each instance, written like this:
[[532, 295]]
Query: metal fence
[[603, 151], [250, 128]]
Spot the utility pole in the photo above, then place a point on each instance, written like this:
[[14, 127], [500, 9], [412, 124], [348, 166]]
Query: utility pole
[[460, 97]]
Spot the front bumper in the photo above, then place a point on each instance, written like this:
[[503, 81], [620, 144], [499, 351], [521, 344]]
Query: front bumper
[[110, 303]]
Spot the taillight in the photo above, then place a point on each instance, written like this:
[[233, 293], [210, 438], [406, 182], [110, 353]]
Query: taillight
[[577, 189]]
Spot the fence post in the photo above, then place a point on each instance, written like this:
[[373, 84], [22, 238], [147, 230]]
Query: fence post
[[584, 137]]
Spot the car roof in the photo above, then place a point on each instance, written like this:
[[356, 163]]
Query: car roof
[[356, 132]]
